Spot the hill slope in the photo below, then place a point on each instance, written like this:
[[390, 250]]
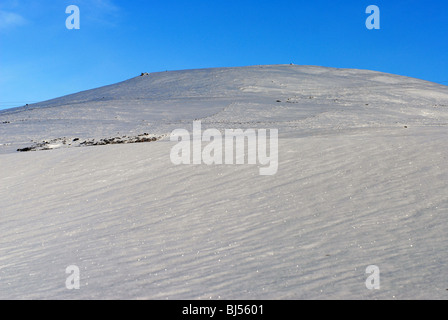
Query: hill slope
[[362, 180]]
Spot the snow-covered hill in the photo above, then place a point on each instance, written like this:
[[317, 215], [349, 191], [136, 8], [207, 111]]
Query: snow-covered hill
[[362, 180]]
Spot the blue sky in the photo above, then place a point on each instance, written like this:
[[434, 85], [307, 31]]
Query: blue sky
[[41, 59]]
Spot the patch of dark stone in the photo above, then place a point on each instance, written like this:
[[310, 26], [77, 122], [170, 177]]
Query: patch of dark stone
[[123, 140], [142, 138]]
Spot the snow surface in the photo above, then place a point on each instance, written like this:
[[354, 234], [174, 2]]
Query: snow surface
[[362, 180]]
